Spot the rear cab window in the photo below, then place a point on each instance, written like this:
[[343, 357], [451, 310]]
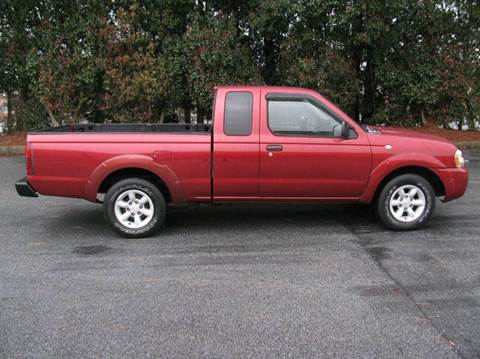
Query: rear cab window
[[238, 113]]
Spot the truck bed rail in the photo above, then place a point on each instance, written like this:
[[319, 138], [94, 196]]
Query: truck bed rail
[[132, 127]]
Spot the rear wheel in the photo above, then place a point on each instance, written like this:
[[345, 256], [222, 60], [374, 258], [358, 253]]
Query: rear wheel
[[406, 202], [134, 208]]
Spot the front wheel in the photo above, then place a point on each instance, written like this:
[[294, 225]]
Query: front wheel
[[406, 202], [134, 208]]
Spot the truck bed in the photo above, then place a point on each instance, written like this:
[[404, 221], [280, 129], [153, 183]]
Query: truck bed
[[67, 159]]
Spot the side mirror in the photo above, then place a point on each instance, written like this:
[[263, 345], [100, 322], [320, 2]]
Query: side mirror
[[345, 130]]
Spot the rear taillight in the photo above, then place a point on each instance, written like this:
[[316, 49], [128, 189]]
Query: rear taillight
[[29, 157]]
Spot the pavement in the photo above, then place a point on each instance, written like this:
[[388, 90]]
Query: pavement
[[11, 150], [266, 281]]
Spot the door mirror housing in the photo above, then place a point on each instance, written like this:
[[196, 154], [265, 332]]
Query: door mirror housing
[[345, 130]]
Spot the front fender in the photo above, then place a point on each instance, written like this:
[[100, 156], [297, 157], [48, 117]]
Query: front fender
[[162, 170], [394, 163]]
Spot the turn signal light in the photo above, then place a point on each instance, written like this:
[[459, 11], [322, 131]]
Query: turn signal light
[[459, 160]]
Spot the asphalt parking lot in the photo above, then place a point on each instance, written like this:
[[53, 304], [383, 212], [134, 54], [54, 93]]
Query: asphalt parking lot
[[242, 281]]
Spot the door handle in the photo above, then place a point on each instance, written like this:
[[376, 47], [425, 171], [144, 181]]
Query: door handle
[[274, 148]]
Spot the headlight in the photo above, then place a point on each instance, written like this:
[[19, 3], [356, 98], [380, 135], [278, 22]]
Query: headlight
[[459, 160]]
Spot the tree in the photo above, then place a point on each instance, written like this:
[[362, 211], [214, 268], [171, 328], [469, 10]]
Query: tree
[[136, 74], [395, 62], [459, 68], [18, 19], [268, 25], [216, 57]]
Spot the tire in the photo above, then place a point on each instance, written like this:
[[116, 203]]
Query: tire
[[400, 207], [142, 200]]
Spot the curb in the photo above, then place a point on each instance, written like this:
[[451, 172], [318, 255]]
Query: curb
[[468, 144], [12, 150]]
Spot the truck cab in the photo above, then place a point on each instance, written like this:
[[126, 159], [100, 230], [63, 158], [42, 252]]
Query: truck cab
[[280, 143]]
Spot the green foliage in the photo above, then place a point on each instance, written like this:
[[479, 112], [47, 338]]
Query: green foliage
[[395, 62], [216, 57], [136, 73]]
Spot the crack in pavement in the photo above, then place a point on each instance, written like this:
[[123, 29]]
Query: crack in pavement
[[377, 254]]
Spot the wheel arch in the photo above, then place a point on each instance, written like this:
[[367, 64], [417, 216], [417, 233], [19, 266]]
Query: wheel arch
[[428, 174], [121, 167], [132, 172]]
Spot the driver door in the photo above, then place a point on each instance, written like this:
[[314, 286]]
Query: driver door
[[302, 153]]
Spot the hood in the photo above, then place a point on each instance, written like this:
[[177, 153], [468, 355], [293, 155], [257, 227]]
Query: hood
[[406, 133], [414, 144]]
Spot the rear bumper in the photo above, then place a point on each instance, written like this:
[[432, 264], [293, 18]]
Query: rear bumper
[[24, 189], [455, 181]]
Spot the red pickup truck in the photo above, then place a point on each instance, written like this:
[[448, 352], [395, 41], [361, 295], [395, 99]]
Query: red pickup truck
[[265, 144]]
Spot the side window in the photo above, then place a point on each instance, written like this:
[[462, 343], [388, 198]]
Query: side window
[[238, 114], [301, 117]]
